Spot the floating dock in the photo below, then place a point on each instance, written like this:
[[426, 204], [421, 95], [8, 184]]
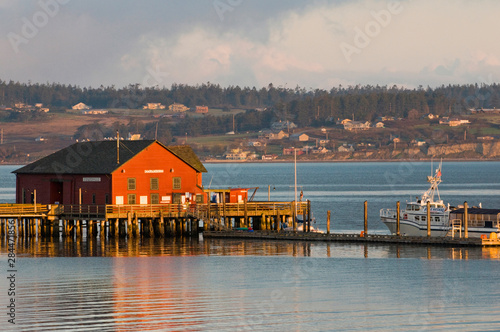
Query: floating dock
[[359, 238]]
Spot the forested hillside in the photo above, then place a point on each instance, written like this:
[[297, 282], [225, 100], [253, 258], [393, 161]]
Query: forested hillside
[[304, 107]]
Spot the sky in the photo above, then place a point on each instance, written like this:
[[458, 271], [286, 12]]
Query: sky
[[316, 44]]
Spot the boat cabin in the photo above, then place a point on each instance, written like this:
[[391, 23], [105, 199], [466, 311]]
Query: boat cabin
[[478, 217], [436, 207]]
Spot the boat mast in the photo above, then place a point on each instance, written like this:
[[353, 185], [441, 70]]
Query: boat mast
[[434, 181]]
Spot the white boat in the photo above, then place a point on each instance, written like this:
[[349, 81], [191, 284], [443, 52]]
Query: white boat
[[413, 218]]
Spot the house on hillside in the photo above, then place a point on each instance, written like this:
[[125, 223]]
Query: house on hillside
[[99, 173], [153, 106], [236, 154], [201, 109], [346, 148], [133, 137], [269, 157], [273, 135], [453, 122], [357, 125], [283, 125], [301, 137], [81, 106], [177, 108]]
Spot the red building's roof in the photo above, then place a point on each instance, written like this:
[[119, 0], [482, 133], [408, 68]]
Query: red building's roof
[[100, 157]]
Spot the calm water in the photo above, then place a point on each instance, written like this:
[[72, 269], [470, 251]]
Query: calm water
[[216, 285]]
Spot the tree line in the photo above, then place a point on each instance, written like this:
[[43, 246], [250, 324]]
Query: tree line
[[304, 107]]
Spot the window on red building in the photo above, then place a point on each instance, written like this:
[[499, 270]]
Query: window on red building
[[131, 198], [177, 183], [155, 199], [154, 183], [131, 184]]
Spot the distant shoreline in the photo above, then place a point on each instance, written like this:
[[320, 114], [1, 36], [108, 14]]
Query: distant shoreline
[[281, 161], [316, 161]]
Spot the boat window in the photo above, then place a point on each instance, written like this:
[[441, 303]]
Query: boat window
[[424, 218], [417, 208], [417, 218], [438, 219]]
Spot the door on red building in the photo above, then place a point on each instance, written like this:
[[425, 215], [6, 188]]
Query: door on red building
[[56, 192]]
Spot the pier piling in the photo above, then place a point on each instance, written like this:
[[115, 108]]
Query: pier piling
[[328, 222], [428, 219], [366, 219], [398, 217], [466, 220]]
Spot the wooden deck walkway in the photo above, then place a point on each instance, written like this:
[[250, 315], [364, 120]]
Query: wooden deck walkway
[[149, 220]]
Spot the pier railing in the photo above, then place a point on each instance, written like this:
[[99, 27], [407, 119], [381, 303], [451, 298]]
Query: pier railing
[[199, 211], [151, 210], [23, 209], [82, 211]]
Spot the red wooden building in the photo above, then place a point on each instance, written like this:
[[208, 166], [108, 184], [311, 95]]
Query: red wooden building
[[104, 172]]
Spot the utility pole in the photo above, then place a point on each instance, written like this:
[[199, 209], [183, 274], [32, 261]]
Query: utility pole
[[117, 147]]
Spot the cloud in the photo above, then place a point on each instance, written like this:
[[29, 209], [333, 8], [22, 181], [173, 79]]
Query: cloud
[[284, 42]]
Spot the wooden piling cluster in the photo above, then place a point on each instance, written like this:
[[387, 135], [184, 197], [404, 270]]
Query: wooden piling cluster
[[150, 221]]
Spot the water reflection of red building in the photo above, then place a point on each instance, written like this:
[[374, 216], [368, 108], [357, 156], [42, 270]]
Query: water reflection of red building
[[152, 293]]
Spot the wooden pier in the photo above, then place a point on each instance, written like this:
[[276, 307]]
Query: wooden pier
[[160, 220]]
